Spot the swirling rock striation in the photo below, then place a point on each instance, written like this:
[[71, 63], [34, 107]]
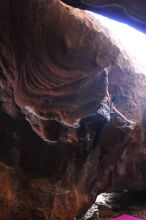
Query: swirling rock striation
[[51, 75]]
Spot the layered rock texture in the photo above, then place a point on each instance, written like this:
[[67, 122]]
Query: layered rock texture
[[51, 75]]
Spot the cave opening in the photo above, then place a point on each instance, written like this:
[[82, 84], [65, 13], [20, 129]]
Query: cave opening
[[51, 60], [130, 39]]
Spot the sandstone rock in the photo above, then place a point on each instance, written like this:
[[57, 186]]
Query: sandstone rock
[[51, 75], [132, 13]]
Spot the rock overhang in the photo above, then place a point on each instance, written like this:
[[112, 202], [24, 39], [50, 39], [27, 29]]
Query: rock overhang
[[51, 76]]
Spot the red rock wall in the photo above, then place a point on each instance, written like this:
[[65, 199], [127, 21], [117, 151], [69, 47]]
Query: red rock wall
[[51, 75]]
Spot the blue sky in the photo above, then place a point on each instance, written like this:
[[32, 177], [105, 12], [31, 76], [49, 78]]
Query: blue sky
[[133, 40]]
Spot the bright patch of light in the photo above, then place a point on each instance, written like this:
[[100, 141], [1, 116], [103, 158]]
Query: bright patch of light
[[133, 40]]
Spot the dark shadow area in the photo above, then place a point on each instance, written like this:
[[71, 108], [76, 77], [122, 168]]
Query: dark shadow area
[[125, 200], [21, 147]]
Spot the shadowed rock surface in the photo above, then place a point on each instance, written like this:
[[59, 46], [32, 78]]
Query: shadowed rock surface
[[51, 75]]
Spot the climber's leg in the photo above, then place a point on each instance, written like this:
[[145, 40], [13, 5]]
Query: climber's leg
[[102, 123], [85, 123]]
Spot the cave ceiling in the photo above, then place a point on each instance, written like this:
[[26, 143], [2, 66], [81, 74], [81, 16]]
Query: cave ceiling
[[130, 12], [52, 57]]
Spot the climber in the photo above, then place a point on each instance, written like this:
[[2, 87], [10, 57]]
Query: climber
[[102, 116]]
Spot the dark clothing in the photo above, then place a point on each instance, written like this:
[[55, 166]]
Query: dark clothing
[[101, 117], [91, 119]]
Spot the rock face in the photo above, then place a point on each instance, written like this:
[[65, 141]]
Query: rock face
[[51, 75], [133, 13]]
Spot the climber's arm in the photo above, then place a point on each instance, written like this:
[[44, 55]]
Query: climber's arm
[[106, 71], [120, 114]]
